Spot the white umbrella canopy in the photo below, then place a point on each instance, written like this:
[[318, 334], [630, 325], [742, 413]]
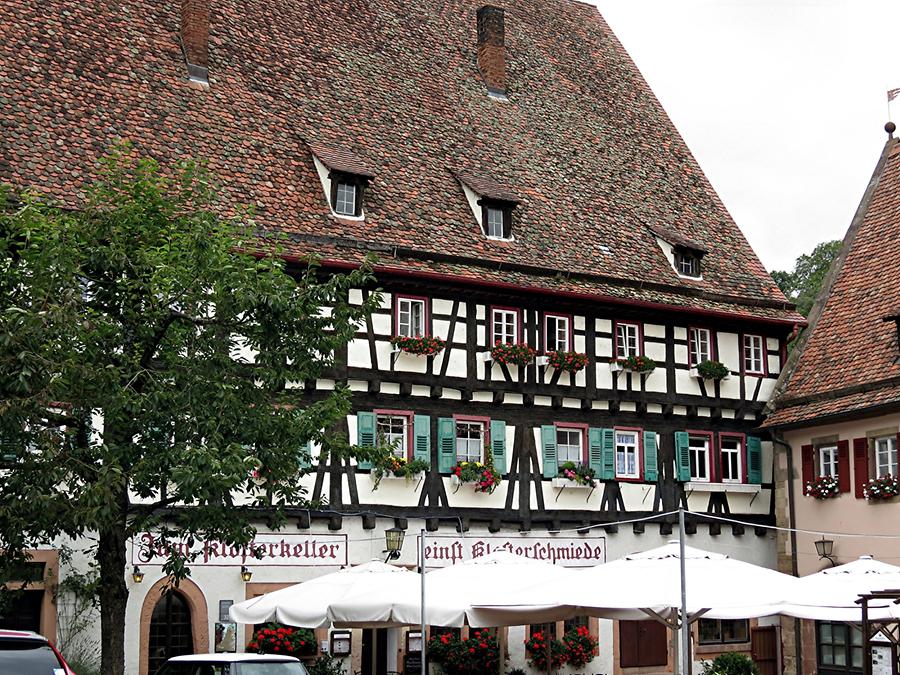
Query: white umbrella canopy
[[649, 584], [306, 604], [452, 592], [830, 595]]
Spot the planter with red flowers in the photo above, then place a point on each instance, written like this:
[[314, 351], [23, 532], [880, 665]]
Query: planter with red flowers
[[634, 364], [580, 645], [711, 370], [544, 653], [482, 475], [420, 345], [569, 362], [479, 653], [823, 487], [518, 354], [273, 638], [882, 488]]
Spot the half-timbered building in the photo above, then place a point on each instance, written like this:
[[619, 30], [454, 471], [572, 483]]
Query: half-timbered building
[[531, 207]]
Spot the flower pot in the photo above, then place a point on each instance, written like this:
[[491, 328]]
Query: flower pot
[[560, 482]]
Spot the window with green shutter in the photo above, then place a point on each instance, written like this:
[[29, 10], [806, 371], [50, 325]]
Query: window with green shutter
[[422, 438], [498, 445], [365, 434], [304, 457], [607, 455], [754, 460], [548, 450], [446, 439], [682, 456], [651, 472]]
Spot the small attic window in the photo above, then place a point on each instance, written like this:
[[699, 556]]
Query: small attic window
[[344, 176], [347, 192], [492, 205], [687, 263]]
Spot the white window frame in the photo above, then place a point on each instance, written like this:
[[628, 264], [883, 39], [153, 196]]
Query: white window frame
[[624, 449], [468, 442], [405, 306], [680, 257], [576, 448], [490, 224], [626, 333], [725, 453], [508, 318], [340, 199], [697, 454], [699, 354], [557, 339], [390, 419], [754, 354], [828, 459], [886, 446]]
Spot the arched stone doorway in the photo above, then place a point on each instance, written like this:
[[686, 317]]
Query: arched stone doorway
[[173, 621]]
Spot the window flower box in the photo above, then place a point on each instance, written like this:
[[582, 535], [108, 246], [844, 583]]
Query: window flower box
[[482, 475], [392, 467], [882, 488], [575, 475], [711, 370], [518, 354], [419, 346], [635, 364], [570, 362], [823, 487]]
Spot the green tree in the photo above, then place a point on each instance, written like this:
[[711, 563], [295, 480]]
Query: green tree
[[802, 285], [146, 352]]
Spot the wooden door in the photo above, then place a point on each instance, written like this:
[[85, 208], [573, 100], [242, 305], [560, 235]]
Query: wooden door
[[765, 649]]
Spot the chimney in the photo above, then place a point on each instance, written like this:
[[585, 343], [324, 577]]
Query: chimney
[[491, 49], [195, 38]]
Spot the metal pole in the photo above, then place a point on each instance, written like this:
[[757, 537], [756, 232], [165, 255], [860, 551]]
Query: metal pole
[[685, 624], [422, 608]]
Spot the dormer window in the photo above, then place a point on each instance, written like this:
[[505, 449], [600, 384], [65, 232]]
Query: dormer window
[[492, 205], [687, 264], [344, 177]]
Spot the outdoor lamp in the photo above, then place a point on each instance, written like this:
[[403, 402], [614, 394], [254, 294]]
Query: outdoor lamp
[[246, 574], [137, 575], [393, 540], [824, 548]]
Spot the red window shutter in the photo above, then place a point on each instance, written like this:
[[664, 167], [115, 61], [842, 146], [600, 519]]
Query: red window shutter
[[808, 461], [654, 644], [629, 644], [843, 448], [860, 465]]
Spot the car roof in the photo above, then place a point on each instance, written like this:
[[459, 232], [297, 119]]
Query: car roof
[[232, 658], [21, 635]]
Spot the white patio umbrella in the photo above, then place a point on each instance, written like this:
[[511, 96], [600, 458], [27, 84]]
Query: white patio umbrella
[[306, 604], [453, 593], [830, 595]]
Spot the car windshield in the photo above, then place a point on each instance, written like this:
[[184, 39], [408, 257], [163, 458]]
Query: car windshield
[[28, 657], [242, 668]]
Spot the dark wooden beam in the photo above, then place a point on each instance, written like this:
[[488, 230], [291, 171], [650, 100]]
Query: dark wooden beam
[[369, 521]]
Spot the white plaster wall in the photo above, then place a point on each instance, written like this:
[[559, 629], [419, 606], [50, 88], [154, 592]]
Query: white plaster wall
[[358, 354], [656, 351], [656, 381], [410, 363], [685, 384], [728, 350]]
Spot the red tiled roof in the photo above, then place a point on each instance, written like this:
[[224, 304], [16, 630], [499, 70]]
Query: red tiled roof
[[341, 159], [850, 348], [581, 139], [675, 238], [487, 187]]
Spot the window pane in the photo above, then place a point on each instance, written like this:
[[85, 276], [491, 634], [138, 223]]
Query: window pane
[[698, 447], [626, 454], [505, 326], [568, 446], [393, 431], [626, 340], [825, 632], [468, 441], [345, 199], [710, 631], [494, 222]]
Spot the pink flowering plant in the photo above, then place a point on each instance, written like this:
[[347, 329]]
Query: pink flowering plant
[[518, 354], [885, 487], [570, 362], [273, 638], [578, 473], [483, 475], [637, 364], [823, 487], [420, 345]]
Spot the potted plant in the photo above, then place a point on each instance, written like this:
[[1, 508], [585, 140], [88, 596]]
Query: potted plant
[[392, 466], [570, 362], [482, 474], [274, 638], [420, 345], [581, 646], [885, 487], [571, 473], [545, 654], [518, 354], [823, 487], [479, 653], [636, 364], [711, 370]]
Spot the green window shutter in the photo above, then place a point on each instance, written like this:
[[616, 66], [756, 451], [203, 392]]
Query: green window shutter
[[304, 459], [365, 434], [548, 447], [754, 460], [608, 452], [498, 445], [446, 444], [422, 438], [651, 471], [682, 456], [595, 450]]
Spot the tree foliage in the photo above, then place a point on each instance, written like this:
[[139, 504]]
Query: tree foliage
[[802, 285], [146, 361]]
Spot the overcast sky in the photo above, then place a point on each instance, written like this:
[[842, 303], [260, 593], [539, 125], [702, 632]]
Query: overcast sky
[[783, 102]]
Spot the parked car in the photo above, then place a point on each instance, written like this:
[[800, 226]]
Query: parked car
[[232, 664], [26, 653]]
